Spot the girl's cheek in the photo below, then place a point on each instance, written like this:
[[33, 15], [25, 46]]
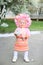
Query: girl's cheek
[[19, 25]]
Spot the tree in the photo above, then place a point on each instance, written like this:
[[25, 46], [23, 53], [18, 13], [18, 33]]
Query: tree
[[24, 6]]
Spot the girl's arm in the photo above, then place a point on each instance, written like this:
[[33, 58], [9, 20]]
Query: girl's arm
[[18, 36], [21, 37]]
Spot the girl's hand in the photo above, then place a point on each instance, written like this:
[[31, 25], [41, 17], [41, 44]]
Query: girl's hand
[[15, 35], [18, 36], [25, 37]]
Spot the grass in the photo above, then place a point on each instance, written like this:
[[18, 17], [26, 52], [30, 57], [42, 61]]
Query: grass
[[8, 29], [36, 25]]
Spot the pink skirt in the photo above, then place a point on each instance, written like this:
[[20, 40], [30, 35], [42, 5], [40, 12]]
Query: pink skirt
[[21, 45]]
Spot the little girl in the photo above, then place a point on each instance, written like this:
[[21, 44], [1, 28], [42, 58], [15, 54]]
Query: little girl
[[22, 34]]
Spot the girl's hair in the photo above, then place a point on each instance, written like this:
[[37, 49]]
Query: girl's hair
[[22, 17]]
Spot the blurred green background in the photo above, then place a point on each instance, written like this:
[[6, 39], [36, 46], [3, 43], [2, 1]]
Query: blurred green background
[[35, 26]]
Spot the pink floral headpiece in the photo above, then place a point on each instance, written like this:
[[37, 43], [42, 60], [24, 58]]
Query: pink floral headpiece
[[22, 17]]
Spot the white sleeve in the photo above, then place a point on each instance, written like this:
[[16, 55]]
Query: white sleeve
[[17, 31]]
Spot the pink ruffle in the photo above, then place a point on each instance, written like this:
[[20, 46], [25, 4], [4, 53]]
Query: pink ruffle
[[22, 17]]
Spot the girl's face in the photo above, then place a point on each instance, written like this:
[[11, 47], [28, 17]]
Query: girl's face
[[22, 23]]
